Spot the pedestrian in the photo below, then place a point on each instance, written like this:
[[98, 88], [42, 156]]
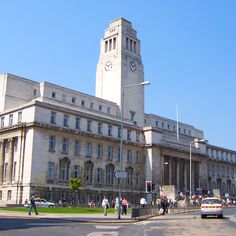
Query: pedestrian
[[105, 205], [33, 204], [124, 205], [143, 202], [117, 205]]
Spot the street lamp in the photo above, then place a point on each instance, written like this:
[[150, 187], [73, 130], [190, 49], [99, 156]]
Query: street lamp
[[121, 132], [190, 164]]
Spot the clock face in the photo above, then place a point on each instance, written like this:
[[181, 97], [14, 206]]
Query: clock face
[[108, 65], [132, 66]]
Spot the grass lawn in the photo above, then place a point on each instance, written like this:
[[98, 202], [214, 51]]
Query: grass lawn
[[63, 210]]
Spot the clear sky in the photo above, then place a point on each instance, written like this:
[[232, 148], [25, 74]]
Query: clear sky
[[188, 49]]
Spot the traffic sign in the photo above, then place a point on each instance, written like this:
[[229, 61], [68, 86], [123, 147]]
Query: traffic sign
[[121, 174]]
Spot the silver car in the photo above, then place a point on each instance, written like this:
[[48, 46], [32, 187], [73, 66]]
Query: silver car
[[211, 206]]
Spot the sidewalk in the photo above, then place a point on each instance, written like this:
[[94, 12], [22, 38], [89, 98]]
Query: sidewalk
[[93, 218]]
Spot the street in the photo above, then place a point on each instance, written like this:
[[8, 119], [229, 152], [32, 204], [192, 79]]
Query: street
[[176, 224]]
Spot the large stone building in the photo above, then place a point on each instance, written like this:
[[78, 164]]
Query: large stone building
[[49, 134]]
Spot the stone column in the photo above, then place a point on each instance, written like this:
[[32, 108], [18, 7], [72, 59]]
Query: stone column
[[10, 160], [2, 160]]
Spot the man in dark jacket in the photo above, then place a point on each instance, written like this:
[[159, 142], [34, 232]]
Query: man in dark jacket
[[33, 204]]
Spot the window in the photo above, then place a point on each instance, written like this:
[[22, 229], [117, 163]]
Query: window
[[35, 92], [108, 110], [92, 105], [89, 173], [89, 149], [0, 194], [53, 95], [99, 150], [138, 157], [51, 171], [77, 147], [106, 46], [129, 179], [52, 143], [127, 43], [64, 167], [14, 170], [100, 107], [99, 128], [109, 174], [66, 121], [16, 144], [119, 132], [5, 170], [129, 134], [110, 44], [137, 137], [53, 117], [131, 45], [76, 172], [2, 122], [65, 145], [73, 100], [129, 156], [11, 119], [9, 195], [89, 125], [99, 176], [82, 103], [109, 130], [77, 122], [110, 152], [135, 47], [137, 179], [19, 116], [114, 43]]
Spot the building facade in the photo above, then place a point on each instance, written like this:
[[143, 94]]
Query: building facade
[[49, 134]]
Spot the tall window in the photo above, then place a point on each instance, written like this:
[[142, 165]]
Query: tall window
[[76, 172], [109, 130], [110, 152], [77, 147], [9, 195], [64, 167], [51, 171], [129, 156], [77, 122], [129, 179], [99, 150], [119, 154], [99, 128], [52, 143], [89, 173], [53, 117], [66, 120], [129, 134], [119, 132], [137, 137], [5, 170], [14, 170], [99, 176], [89, 125], [2, 122], [11, 119], [109, 174], [89, 149], [137, 179], [138, 157], [65, 145], [0, 194], [19, 116]]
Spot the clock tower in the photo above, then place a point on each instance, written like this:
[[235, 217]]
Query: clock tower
[[120, 69]]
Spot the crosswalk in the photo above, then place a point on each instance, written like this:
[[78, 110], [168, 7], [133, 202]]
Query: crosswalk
[[105, 230]]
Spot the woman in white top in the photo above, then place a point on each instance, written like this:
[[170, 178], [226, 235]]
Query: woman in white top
[[105, 205]]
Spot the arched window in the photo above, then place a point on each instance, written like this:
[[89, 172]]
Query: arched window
[[9, 195], [110, 174], [64, 169]]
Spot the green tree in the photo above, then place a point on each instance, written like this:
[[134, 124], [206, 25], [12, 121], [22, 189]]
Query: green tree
[[75, 184]]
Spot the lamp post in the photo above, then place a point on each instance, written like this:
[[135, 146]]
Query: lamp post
[[190, 164], [121, 133]]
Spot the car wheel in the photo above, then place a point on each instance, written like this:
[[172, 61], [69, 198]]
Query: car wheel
[[220, 216], [203, 216]]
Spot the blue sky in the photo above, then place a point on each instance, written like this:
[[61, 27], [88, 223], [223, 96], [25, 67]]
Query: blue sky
[[188, 51]]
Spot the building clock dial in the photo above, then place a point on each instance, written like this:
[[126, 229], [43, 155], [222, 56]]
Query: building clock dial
[[132, 66], [108, 66]]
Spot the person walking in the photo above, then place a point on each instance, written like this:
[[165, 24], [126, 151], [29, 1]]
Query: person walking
[[117, 205], [124, 206], [105, 205], [33, 204]]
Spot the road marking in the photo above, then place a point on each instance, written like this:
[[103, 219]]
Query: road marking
[[110, 233]]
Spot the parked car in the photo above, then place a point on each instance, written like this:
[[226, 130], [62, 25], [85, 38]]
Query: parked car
[[41, 203], [211, 207]]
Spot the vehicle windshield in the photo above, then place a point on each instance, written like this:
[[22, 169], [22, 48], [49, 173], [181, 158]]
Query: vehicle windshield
[[211, 201]]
